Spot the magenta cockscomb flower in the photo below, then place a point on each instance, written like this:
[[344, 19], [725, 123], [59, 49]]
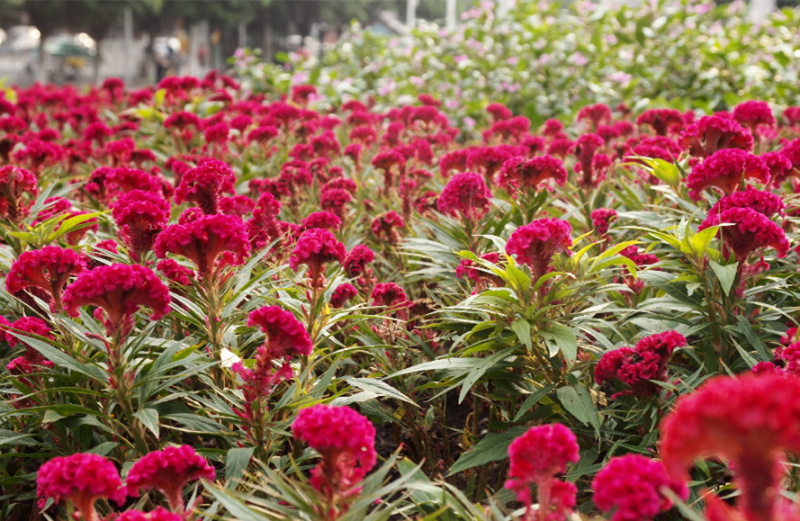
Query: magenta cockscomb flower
[[385, 227], [753, 114], [536, 458], [17, 191], [119, 290], [210, 242], [157, 514], [346, 441], [602, 218], [535, 244], [525, 174], [140, 216], [81, 479], [596, 114], [752, 421], [169, 471], [637, 368], [726, 170], [713, 133], [585, 149], [629, 487], [465, 195], [205, 184], [343, 294], [662, 121], [750, 231], [48, 269], [356, 261], [315, 248], [324, 220]]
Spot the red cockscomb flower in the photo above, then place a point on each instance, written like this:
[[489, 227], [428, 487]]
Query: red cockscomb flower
[[342, 294], [726, 170], [467, 195], [602, 218], [529, 174], [81, 479], [315, 248], [119, 290], [17, 190], [713, 133], [210, 242], [205, 184], [750, 231], [48, 269], [169, 471], [536, 243], [140, 216], [630, 487]]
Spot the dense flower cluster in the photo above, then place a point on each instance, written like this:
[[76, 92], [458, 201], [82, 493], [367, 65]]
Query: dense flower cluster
[[637, 368], [630, 486], [726, 170], [536, 243], [467, 195], [205, 184], [346, 441], [48, 269], [169, 471], [315, 248], [118, 290], [751, 231], [537, 457]]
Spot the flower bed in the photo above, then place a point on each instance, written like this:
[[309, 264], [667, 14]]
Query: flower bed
[[222, 305]]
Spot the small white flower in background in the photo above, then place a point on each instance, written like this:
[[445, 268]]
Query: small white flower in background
[[227, 358]]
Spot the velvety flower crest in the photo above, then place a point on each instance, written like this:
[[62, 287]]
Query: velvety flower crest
[[535, 244], [466, 194], [48, 269], [726, 170]]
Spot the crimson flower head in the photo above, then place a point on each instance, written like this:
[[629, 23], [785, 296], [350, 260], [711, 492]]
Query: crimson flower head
[[661, 120], [140, 216], [529, 174], [780, 167], [752, 421], [210, 242], [205, 184], [726, 170], [81, 479], [467, 195], [16, 184], [169, 471], [346, 441], [753, 114], [285, 334], [119, 290], [595, 113], [631, 485], [712, 133], [356, 261], [536, 243], [750, 231], [602, 218], [335, 200], [637, 368], [157, 514], [48, 269], [763, 202], [537, 457], [324, 220], [315, 248], [342, 294], [586, 148], [385, 226]]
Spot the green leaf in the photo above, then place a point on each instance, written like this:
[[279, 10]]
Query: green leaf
[[563, 339], [726, 274], [493, 447], [522, 328], [379, 388], [578, 402], [61, 359], [236, 463], [149, 418], [532, 399]]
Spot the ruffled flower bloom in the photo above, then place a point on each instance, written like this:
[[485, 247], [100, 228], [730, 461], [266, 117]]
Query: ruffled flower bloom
[[637, 368], [323, 220], [520, 173], [712, 133], [467, 195], [17, 190], [342, 294], [753, 114], [753, 422], [157, 514], [631, 485], [385, 227], [205, 184], [335, 200], [536, 243], [140, 216], [48, 269], [726, 170], [585, 149], [169, 471], [119, 290], [596, 114], [81, 479], [356, 261], [602, 218], [315, 248], [210, 242], [346, 441], [751, 231], [765, 203], [537, 457], [780, 167], [662, 121]]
